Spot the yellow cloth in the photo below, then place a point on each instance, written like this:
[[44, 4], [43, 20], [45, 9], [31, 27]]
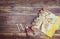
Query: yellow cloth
[[51, 32]]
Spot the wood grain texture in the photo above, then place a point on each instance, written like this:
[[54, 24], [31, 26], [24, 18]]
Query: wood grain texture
[[14, 12]]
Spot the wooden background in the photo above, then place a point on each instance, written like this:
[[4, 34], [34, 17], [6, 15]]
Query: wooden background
[[14, 12]]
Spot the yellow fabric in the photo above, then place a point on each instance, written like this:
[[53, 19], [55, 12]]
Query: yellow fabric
[[50, 33]]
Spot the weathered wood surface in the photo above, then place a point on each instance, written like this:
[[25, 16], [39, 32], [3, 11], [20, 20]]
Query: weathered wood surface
[[14, 12], [10, 17], [50, 2]]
